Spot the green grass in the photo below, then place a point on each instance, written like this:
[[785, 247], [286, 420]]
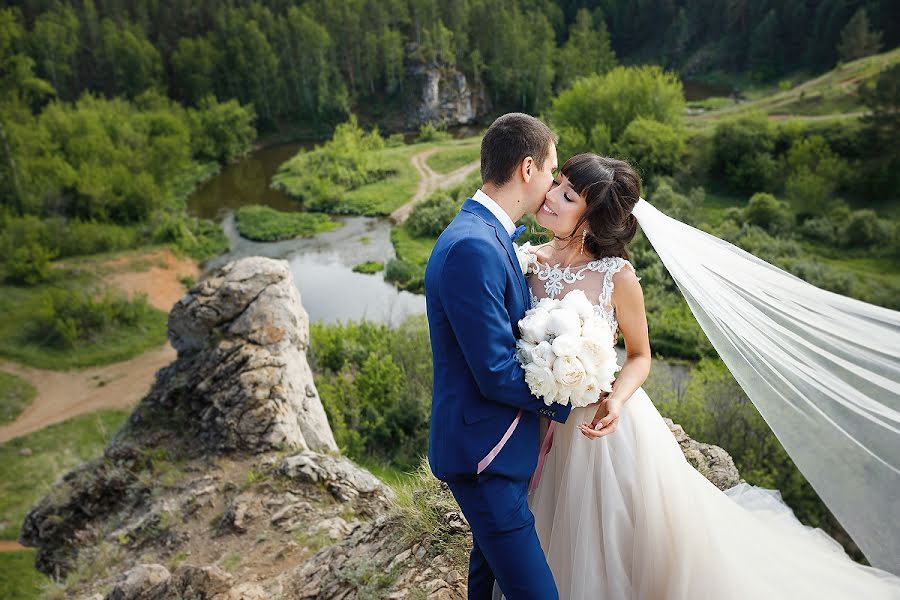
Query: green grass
[[446, 161], [265, 224], [54, 450], [15, 395], [19, 580], [412, 249], [20, 306], [369, 267], [831, 93]]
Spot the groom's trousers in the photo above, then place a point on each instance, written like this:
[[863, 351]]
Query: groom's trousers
[[506, 546]]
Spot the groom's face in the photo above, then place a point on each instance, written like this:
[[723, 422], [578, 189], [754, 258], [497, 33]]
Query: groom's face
[[541, 180]]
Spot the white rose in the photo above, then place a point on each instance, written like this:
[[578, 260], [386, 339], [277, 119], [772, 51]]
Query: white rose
[[541, 382], [569, 372], [563, 321], [523, 253], [567, 345], [534, 326], [542, 355], [577, 301], [524, 350]]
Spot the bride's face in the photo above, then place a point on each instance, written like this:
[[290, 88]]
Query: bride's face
[[561, 209]]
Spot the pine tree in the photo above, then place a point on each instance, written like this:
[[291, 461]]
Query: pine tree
[[857, 39]]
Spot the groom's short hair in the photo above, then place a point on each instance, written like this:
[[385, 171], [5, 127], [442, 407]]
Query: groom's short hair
[[509, 140]]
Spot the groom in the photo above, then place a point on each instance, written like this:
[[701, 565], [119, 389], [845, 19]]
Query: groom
[[484, 420]]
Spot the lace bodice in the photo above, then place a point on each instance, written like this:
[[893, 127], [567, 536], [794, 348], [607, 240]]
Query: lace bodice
[[595, 278]]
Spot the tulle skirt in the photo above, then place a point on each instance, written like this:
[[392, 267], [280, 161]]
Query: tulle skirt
[[626, 517]]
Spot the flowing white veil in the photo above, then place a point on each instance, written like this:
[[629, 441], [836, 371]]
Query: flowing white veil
[[822, 369]]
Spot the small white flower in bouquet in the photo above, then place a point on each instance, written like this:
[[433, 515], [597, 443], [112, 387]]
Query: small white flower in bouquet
[[567, 351]]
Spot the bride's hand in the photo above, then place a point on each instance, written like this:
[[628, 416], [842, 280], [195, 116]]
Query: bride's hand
[[605, 420]]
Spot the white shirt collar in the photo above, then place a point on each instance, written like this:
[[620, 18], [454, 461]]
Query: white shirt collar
[[496, 210]]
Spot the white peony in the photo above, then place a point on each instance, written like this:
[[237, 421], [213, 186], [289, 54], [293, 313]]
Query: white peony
[[598, 359], [563, 321], [524, 351], [541, 382], [569, 372], [577, 301], [534, 326], [543, 355], [547, 304], [596, 328], [567, 344], [523, 253], [587, 393]]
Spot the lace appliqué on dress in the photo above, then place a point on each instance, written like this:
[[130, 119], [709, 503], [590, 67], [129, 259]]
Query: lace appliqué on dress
[[555, 279]]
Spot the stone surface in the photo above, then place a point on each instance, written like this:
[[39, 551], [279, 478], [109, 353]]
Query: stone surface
[[442, 95], [711, 461], [241, 380]]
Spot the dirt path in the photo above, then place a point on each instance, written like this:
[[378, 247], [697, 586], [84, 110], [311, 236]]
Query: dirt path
[[62, 395], [11, 546], [429, 181]]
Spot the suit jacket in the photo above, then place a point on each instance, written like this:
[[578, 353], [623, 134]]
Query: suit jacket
[[475, 295]]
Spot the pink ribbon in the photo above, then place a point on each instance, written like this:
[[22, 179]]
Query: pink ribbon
[[545, 449], [484, 462]]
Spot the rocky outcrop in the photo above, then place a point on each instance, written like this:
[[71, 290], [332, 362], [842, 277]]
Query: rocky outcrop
[[442, 95], [241, 380], [712, 461]]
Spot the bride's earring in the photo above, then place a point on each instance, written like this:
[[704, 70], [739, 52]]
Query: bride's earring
[[583, 236]]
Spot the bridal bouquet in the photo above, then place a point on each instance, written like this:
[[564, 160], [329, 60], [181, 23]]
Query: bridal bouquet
[[567, 351]]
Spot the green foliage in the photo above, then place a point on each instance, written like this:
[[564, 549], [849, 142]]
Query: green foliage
[[686, 208], [369, 267], [865, 229], [815, 172], [322, 176], [653, 147], [221, 131], [587, 50], [431, 216], [742, 151], [429, 133], [68, 318], [15, 395], [265, 224], [766, 211], [18, 577], [613, 101], [54, 450], [375, 384], [857, 38], [28, 264], [128, 63]]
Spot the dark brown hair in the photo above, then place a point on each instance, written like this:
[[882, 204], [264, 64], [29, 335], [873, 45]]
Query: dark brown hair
[[611, 188], [509, 140]]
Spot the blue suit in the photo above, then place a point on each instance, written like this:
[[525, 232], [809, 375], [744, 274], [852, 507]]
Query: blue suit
[[475, 296]]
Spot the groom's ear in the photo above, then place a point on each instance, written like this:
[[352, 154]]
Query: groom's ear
[[526, 168]]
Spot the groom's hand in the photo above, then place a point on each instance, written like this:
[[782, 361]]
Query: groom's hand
[[605, 419]]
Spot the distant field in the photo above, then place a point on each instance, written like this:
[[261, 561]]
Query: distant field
[[446, 161]]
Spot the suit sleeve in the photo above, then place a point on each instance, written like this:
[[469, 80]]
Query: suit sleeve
[[472, 287]]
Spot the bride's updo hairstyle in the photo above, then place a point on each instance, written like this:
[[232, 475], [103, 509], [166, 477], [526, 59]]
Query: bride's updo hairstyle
[[610, 188]]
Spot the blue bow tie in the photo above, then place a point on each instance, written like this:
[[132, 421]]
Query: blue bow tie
[[517, 232]]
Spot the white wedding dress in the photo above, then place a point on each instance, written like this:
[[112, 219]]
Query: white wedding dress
[[626, 517]]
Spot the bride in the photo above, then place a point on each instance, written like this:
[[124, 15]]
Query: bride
[[619, 511]]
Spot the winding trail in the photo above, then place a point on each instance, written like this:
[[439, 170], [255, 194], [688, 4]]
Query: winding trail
[[429, 181]]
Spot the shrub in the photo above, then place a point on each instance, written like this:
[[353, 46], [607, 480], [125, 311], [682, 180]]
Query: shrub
[[429, 133], [865, 229], [265, 224], [819, 229], [654, 147], [742, 150], [29, 264], [399, 271], [766, 211], [431, 216]]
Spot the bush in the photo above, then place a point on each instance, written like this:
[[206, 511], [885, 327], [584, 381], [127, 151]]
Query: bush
[[819, 229], [221, 131], [654, 147], [29, 264], [431, 216], [68, 317], [399, 271], [814, 174], [429, 133], [742, 151], [395, 140], [369, 267], [612, 101], [766, 211], [685, 208], [865, 229]]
